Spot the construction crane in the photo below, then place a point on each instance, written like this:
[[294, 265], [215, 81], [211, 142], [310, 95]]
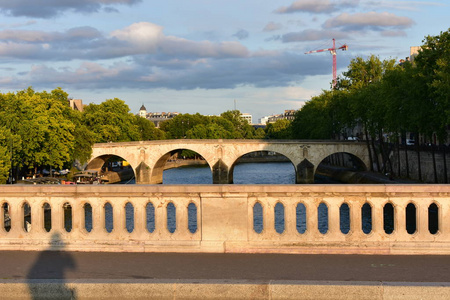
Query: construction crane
[[333, 52]]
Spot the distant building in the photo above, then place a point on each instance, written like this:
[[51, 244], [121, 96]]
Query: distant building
[[76, 104], [288, 114], [413, 52], [143, 112], [247, 117], [264, 120], [156, 117]]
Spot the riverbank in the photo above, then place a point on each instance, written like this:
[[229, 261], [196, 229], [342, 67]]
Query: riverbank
[[359, 177]]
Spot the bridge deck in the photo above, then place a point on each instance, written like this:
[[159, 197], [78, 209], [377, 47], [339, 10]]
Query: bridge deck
[[337, 274]]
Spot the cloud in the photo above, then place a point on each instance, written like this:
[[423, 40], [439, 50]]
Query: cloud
[[141, 56], [90, 44], [54, 8], [317, 6], [272, 69], [369, 20], [401, 5], [272, 26], [312, 35], [241, 34]]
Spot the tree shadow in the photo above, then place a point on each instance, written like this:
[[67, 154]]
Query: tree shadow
[[46, 278]]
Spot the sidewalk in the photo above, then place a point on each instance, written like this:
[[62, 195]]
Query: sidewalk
[[83, 275]]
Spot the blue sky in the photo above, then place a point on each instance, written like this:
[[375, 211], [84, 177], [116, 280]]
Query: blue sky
[[200, 56]]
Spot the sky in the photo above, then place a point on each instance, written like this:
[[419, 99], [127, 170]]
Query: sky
[[198, 55]]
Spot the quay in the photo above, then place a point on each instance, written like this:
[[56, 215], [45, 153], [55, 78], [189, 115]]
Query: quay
[[94, 275]]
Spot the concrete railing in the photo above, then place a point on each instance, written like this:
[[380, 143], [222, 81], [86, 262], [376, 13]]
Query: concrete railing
[[369, 219]]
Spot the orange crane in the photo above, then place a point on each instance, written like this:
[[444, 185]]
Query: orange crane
[[334, 53]]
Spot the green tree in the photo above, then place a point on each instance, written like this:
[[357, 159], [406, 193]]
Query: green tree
[[41, 131], [111, 121], [241, 128], [434, 70], [147, 130], [313, 121], [281, 129], [5, 157], [177, 127]]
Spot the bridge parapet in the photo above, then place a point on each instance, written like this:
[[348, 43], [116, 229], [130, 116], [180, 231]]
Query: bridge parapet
[[368, 219]]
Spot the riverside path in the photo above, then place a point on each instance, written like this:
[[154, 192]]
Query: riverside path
[[95, 275]]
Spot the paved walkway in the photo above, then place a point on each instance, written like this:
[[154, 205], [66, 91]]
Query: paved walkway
[[21, 265]]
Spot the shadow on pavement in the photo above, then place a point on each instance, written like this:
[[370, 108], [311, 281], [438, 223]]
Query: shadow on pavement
[[46, 278]]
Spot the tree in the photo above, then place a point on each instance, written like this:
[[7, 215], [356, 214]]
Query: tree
[[281, 129], [241, 128], [111, 121], [147, 130], [41, 131], [177, 127], [313, 121], [434, 70], [5, 157]]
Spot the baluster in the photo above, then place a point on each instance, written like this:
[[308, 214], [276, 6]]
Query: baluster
[[269, 219], [312, 221], [16, 216], [161, 218], [57, 216], [333, 218], [77, 219], [290, 219], [140, 220], [400, 220], [181, 216], [119, 222], [355, 219], [422, 217], [377, 217], [2, 219]]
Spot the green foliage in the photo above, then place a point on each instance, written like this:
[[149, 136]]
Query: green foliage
[[229, 125], [177, 128], [281, 129], [147, 130], [5, 156], [111, 121], [434, 70], [313, 121], [41, 131]]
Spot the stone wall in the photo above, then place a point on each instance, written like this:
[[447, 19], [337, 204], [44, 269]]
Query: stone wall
[[426, 163]]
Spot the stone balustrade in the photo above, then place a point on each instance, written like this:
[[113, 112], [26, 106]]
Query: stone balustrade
[[368, 219]]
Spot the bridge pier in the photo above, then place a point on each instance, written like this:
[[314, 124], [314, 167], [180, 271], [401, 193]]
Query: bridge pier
[[305, 172], [143, 174], [221, 173]]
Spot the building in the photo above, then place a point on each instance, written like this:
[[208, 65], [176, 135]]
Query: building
[[143, 112], [76, 104], [247, 117], [288, 114], [156, 117], [413, 52]]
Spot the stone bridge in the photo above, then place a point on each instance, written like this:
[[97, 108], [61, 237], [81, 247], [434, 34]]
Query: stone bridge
[[147, 158]]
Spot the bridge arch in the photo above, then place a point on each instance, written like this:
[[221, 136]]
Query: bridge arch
[[157, 171], [345, 159], [263, 156], [98, 163]]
